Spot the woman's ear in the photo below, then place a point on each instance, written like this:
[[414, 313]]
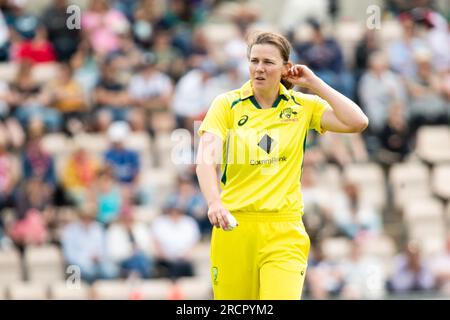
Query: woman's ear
[[286, 66]]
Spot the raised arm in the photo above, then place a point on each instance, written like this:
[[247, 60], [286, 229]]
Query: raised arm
[[343, 115]]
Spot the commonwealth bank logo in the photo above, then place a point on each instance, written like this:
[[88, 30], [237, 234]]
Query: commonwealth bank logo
[[266, 143]]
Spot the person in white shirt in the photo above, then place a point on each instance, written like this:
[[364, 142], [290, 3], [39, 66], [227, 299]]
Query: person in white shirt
[[83, 245], [150, 88], [175, 234], [129, 245], [194, 94]]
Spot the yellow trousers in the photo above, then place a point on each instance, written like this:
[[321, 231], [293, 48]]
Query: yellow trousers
[[264, 258]]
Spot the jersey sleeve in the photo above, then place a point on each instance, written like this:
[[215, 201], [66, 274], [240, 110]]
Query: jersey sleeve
[[318, 109], [217, 119]]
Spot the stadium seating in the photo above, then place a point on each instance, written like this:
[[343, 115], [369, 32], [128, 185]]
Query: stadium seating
[[201, 259], [93, 143], [44, 264], [153, 289], [330, 177], [156, 184], [369, 178], [140, 142], [409, 180], [146, 214], [10, 267], [381, 246], [8, 71], [440, 177], [433, 143], [57, 144], [45, 72], [27, 291], [65, 291], [195, 288], [424, 221], [336, 249]]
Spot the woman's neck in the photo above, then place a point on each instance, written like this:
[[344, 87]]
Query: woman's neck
[[266, 98]]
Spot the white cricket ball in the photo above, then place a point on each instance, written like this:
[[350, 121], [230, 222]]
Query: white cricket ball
[[232, 223]]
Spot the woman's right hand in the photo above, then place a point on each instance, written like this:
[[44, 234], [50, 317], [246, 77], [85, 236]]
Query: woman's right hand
[[217, 215]]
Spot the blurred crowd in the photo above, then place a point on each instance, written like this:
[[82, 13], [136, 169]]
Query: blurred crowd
[[149, 69]]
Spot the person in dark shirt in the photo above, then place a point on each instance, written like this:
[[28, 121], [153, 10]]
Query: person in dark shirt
[[111, 96], [124, 162], [64, 40], [324, 56], [395, 137]]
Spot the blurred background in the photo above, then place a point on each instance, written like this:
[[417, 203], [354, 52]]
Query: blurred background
[[98, 194]]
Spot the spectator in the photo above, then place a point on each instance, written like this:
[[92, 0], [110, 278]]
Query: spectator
[[150, 89], [83, 245], [22, 24], [124, 162], [68, 98], [436, 36], [192, 98], [127, 56], [325, 278], [34, 214], [353, 216], [379, 89], [168, 59], [10, 129], [364, 277], [102, 25], [28, 100], [410, 273], [190, 197], [5, 98], [426, 107], [36, 162], [130, 246], [38, 50], [319, 221], [127, 7], [324, 56], [111, 96], [85, 68], [175, 235], [145, 17], [79, 175], [108, 196], [395, 138], [4, 39], [369, 44], [9, 174], [64, 40], [401, 51], [440, 267], [344, 149]]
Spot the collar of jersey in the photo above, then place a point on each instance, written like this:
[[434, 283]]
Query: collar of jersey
[[247, 93]]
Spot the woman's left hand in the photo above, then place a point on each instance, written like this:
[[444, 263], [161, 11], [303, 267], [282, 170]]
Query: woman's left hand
[[301, 76]]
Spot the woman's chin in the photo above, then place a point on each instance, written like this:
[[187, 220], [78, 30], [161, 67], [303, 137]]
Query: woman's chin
[[260, 84]]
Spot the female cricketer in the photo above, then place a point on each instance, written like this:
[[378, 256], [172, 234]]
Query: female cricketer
[[257, 134]]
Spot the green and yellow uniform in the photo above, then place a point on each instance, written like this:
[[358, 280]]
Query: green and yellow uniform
[[265, 257]]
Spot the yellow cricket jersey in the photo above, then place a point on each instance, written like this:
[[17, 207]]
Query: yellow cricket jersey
[[263, 148]]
